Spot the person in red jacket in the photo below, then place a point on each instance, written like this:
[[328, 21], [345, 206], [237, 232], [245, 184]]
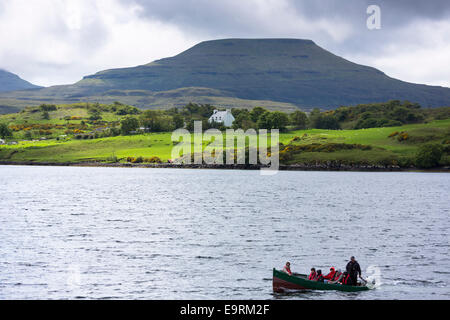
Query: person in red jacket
[[330, 276], [287, 268], [337, 276], [313, 275], [346, 280]]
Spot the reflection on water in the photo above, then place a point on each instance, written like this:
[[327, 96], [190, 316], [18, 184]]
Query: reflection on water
[[211, 234]]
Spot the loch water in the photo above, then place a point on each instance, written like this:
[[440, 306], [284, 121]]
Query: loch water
[[129, 233]]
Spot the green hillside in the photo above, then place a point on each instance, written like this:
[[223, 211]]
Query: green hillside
[[11, 102], [93, 132], [383, 150], [234, 71]]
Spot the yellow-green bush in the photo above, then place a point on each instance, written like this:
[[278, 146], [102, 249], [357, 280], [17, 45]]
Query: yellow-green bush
[[402, 136]]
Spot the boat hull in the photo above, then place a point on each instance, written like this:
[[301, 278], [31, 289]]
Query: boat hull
[[283, 282]]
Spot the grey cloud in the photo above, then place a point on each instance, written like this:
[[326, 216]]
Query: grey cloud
[[216, 15], [207, 17], [232, 18]]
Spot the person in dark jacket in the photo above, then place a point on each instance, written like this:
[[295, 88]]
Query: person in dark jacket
[[320, 276], [353, 269]]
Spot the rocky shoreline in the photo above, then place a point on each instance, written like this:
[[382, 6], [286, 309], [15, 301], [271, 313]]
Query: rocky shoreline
[[331, 166]]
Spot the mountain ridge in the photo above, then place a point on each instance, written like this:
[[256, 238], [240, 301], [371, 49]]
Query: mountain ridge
[[11, 82], [291, 71]]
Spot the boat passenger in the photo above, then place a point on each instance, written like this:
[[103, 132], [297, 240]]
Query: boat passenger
[[319, 276], [287, 268], [313, 275], [346, 280], [330, 276], [337, 276]]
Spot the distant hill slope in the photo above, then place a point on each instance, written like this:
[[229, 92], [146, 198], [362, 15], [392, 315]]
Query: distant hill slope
[[292, 71], [10, 82]]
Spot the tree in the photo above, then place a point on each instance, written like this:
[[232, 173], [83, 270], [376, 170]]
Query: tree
[[273, 120], [256, 113], [328, 122], [28, 135], [243, 121], [279, 120], [45, 115], [5, 132], [178, 121], [400, 114], [264, 121], [128, 125], [299, 119], [95, 113], [314, 115], [429, 156], [320, 120], [47, 107], [236, 112], [149, 120]]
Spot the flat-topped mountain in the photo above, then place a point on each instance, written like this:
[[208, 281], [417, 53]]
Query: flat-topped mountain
[[9, 82], [290, 71]]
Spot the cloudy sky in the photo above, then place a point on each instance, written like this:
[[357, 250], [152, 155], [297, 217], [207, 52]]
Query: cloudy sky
[[52, 42]]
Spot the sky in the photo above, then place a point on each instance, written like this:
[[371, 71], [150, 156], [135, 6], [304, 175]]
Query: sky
[[52, 42]]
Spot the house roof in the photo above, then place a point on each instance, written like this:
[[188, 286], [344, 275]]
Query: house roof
[[220, 115]]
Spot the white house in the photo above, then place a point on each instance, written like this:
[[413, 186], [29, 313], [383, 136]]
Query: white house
[[224, 117]]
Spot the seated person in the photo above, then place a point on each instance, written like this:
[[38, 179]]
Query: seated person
[[330, 276], [346, 280], [313, 275], [337, 277], [287, 268], [319, 277]]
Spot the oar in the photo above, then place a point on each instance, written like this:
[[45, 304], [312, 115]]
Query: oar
[[363, 279]]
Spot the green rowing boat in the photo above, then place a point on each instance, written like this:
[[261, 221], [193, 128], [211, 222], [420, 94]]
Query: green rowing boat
[[283, 282]]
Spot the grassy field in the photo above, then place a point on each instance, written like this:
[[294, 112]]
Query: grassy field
[[383, 149]]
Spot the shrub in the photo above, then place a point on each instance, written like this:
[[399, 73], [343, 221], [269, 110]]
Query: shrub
[[5, 131], [45, 115], [47, 107], [112, 158], [135, 160], [393, 123], [45, 132], [403, 136], [138, 160], [393, 134], [153, 160], [429, 156]]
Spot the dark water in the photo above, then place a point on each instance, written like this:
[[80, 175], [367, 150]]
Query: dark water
[[211, 234]]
